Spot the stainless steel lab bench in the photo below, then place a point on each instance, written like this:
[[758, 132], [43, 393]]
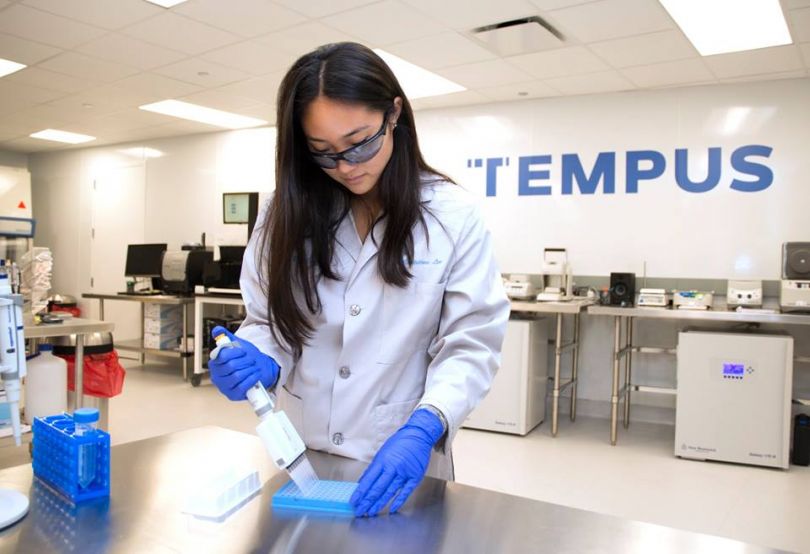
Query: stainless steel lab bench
[[151, 479]]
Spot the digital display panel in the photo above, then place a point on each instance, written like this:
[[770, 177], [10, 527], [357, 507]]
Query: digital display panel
[[736, 370]]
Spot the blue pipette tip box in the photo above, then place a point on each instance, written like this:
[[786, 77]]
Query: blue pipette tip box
[[327, 497]]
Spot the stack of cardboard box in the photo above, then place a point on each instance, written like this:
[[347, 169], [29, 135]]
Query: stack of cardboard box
[[162, 326]]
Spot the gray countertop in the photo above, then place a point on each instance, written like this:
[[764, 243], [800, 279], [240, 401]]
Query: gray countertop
[[151, 479], [719, 312]]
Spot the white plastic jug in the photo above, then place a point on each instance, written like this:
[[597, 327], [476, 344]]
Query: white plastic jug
[[45, 385]]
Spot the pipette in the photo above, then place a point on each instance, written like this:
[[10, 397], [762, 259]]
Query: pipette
[[280, 438]]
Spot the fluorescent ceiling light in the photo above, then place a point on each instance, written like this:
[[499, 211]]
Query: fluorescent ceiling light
[[62, 136], [723, 26], [186, 110], [142, 152], [7, 67], [166, 3], [416, 81]]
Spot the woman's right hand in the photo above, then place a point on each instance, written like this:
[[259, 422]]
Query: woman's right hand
[[237, 367]]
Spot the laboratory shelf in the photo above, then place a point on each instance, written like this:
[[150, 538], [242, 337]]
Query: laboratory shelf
[[136, 345]]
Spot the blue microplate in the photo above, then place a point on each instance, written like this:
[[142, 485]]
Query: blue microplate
[[327, 496]]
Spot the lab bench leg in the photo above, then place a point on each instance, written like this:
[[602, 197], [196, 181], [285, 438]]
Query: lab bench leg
[[555, 394], [79, 372], [184, 342], [142, 355], [575, 369], [628, 360], [614, 398]]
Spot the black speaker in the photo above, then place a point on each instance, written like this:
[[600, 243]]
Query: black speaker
[[796, 261], [801, 440], [622, 289]]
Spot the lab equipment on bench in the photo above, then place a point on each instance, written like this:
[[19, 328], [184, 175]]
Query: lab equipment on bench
[[734, 396], [692, 299], [655, 298], [182, 270], [794, 292], [744, 293], [516, 403], [558, 281], [71, 456], [326, 496], [523, 286], [276, 431], [800, 455], [144, 262], [221, 494]]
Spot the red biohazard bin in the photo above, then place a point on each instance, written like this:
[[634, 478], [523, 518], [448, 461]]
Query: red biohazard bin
[[103, 374]]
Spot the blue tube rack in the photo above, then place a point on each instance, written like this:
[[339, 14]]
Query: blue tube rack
[[327, 496], [56, 457]]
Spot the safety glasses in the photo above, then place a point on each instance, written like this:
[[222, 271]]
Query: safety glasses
[[357, 154]]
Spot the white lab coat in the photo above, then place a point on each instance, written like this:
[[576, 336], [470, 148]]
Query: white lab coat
[[378, 351]]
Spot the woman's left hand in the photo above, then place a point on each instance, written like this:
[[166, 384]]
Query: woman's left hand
[[399, 466]]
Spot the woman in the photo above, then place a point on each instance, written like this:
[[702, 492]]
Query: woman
[[374, 305]]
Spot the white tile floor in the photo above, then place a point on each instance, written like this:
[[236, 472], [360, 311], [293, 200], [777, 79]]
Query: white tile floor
[[637, 479]]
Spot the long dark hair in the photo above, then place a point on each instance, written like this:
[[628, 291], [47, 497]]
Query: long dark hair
[[308, 205]]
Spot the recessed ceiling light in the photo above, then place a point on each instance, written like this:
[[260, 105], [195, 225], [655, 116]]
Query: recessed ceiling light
[[7, 67], [723, 26], [219, 118], [418, 82], [62, 136], [166, 3], [142, 152]]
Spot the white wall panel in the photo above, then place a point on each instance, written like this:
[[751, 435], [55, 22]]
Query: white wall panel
[[720, 233]]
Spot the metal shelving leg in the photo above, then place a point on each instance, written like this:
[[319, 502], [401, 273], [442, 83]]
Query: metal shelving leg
[[628, 360], [555, 394], [575, 369], [614, 398]]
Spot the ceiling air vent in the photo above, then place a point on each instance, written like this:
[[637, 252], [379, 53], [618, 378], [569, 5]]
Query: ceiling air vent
[[519, 36]]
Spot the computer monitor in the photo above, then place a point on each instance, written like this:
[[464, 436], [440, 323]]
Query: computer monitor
[[235, 207], [144, 260], [231, 254]]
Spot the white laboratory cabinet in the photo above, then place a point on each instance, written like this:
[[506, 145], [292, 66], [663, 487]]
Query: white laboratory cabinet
[[516, 403], [734, 395]]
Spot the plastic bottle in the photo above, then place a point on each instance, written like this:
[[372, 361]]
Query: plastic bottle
[[45, 385], [86, 420]]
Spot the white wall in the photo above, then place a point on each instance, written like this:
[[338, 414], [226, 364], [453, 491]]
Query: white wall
[[13, 159], [679, 234]]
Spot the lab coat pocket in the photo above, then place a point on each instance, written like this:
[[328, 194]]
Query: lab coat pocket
[[410, 320], [390, 417]]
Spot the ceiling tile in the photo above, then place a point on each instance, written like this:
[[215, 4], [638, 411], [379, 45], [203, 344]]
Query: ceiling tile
[[556, 63], [604, 81], [202, 73], [469, 14], [260, 89], [98, 12], [51, 80], [85, 67], [665, 74], [805, 50], [218, 100], [28, 144], [765, 60], [444, 50], [464, 98], [17, 96], [798, 74], [88, 104], [557, 4], [644, 49], [33, 119], [519, 91], [120, 48], [320, 8], [125, 120], [485, 74], [303, 38], [608, 19], [4, 4], [24, 51], [248, 18], [252, 56], [147, 87], [262, 111], [799, 21], [384, 23], [180, 33], [39, 26]]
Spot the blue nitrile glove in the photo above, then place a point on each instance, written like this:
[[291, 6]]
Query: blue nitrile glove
[[237, 368], [399, 466]]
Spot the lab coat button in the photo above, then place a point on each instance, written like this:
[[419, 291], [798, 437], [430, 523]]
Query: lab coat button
[[344, 372], [354, 309], [337, 439]]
